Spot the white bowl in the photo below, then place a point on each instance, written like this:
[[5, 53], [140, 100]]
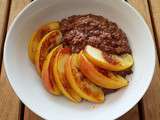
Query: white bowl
[[27, 84]]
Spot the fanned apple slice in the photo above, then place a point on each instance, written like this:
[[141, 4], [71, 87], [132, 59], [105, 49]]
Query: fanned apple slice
[[110, 81], [49, 41], [60, 78], [110, 61], [38, 35], [47, 72], [80, 84]]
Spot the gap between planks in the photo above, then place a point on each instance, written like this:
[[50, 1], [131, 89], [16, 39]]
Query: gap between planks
[[5, 90], [25, 108], [151, 101], [154, 6], [4, 14], [10, 106], [142, 7]]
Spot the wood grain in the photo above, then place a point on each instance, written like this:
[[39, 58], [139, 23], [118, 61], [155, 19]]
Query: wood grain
[[4, 8], [29, 115], [142, 7], [9, 106], [155, 15], [16, 7], [151, 100], [9, 102]]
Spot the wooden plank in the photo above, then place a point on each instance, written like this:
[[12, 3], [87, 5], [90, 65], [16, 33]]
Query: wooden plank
[[16, 7], [9, 102], [4, 8], [9, 110], [142, 7], [29, 115], [155, 15], [151, 100]]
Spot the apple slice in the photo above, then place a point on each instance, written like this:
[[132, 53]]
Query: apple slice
[[60, 78], [80, 84], [110, 61], [49, 41], [110, 81], [38, 35], [47, 72]]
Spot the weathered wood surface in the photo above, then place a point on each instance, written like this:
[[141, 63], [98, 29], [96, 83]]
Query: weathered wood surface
[[10, 106], [151, 100], [155, 15]]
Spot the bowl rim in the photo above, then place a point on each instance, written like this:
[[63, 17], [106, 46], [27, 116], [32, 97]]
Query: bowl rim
[[41, 114]]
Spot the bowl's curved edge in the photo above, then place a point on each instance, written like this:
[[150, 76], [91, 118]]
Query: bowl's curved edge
[[42, 115], [154, 59], [4, 59]]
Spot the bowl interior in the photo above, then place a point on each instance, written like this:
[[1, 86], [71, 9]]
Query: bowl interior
[[27, 84]]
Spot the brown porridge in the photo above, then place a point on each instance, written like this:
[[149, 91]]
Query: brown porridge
[[80, 30]]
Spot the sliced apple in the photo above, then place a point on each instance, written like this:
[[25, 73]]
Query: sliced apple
[[112, 62], [60, 78], [110, 81], [38, 35], [49, 41], [80, 84], [47, 72]]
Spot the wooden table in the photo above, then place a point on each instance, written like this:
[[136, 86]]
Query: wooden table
[[11, 108]]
